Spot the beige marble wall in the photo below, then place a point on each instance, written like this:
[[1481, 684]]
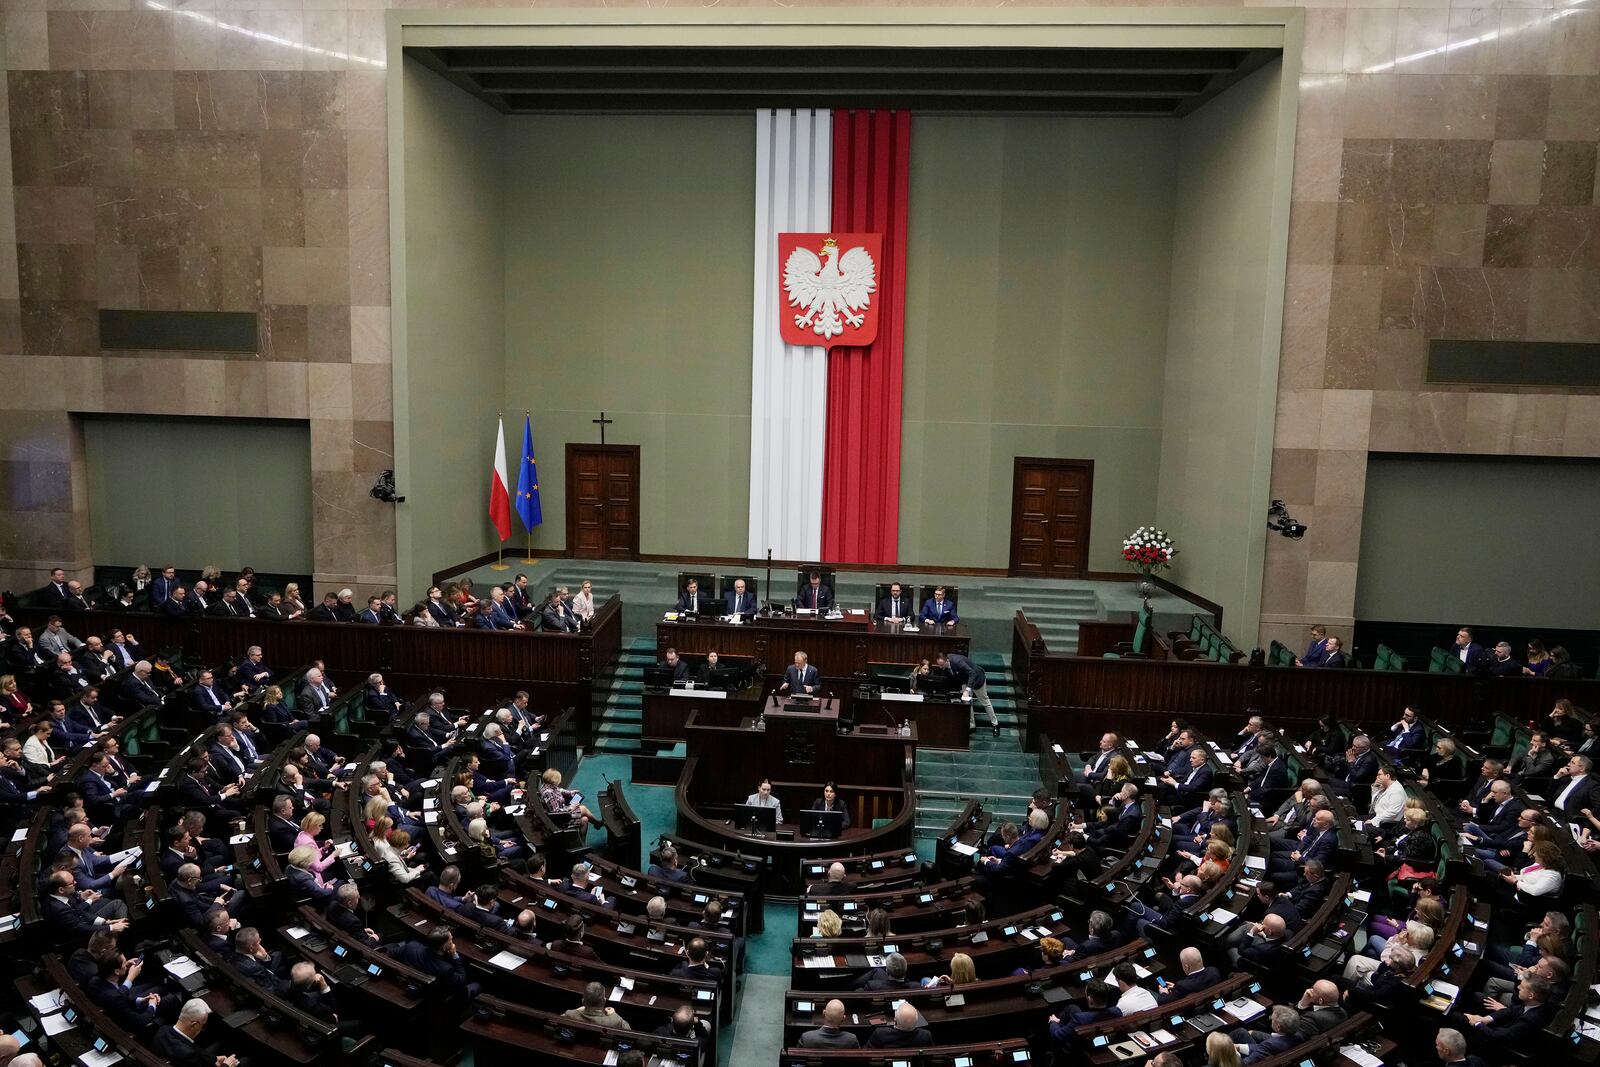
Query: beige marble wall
[[212, 157], [231, 154]]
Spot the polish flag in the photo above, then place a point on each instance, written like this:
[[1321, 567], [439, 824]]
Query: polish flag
[[499, 495]]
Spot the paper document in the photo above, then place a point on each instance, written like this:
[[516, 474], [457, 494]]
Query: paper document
[[507, 961], [1223, 915], [1244, 1009], [964, 849], [239, 839], [817, 963], [55, 1024], [1359, 1056], [45, 1003], [181, 967], [94, 1058]]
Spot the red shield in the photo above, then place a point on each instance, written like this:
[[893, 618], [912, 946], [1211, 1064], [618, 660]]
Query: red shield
[[828, 288]]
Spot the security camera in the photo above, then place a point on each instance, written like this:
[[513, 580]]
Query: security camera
[[383, 489], [1279, 519]]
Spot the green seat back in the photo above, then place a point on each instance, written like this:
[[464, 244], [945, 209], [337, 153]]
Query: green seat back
[[1141, 631], [1436, 660]]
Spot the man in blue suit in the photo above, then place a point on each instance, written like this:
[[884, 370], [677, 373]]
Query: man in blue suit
[[161, 587], [1099, 1005], [1319, 841], [501, 611], [739, 601], [974, 688], [373, 615], [814, 595], [800, 679], [1125, 826], [65, 734], [1358, 767], [1196, 823], [1284, 1022], [207, 696], [1004, 857], [442, 613], [939, 611], [1274, 774], [1407, 735], [90, 869], [1317, 651]]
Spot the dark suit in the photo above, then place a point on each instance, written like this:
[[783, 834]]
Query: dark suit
[[695, 603], [1204, 978], [1272, 1044], [442, 613], [821, 597], [800, 677], [179, 1051], [1407, 739], [559, 617], [1582, 795], [894, 1037], [161, 588], [939, 612], [896, 608], [735, 604], [820, 804], [174, 609], [1121, 831], [1517, 1022], [450, 972]]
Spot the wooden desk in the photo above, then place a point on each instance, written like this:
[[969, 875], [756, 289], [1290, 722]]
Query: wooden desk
[[839, 648], [666, 710], [800, 746], [939, 723], [1076, 698]]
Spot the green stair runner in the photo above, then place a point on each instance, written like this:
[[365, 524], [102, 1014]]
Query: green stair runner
[[618, 696]]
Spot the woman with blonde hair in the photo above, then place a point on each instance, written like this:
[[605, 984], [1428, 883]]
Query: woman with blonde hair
[[962, 972], [375, 813], [1220, 1050], [557, 799], [828, 924], [310, 827], [583, 601], [393, 851], [293, 606], [304, 880]]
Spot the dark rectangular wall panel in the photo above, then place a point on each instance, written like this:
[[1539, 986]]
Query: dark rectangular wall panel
[[1514, 363], [178, 331]]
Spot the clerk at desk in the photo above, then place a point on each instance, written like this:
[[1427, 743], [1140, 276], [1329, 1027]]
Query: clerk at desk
[[680, 669], [763, 798], [939, 611], [709, 667], [801, 678], [814, 594], [829, 801], [693, 601]]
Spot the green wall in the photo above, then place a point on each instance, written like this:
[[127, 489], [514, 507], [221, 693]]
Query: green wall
[[629, 257], [1453, 539], [450, 363], [193, 491], [1221, 361], [1036, 315]]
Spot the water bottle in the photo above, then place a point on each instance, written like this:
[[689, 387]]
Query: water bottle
[[905, 727]]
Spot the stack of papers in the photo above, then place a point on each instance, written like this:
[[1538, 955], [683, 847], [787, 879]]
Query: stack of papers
[[507, 961], [1244, 1009], [815, 963], [93, 1058], [964, 849], [181, 967], [45, 1003], [1359, 1056]]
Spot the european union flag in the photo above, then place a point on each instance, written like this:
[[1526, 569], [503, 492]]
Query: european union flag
[[528, 480]]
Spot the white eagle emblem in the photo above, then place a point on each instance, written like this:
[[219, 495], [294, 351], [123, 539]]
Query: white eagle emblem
[[832, 293]]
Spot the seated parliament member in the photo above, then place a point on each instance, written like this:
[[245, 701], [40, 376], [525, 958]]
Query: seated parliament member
[[763, 798], [739, 600], [558, 615], [937, 611], [814, 596], [800, 679], [896, 607], [693, 601]]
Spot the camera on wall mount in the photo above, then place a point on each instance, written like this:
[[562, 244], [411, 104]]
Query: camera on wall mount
[[383, 489], [1279, 519]]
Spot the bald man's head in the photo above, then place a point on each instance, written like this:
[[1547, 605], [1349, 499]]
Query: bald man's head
[[833, 1013], [1325, 992], [1191, 960], [905, 1016]]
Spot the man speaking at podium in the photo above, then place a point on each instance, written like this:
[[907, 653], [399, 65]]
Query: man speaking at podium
[[800, 679]]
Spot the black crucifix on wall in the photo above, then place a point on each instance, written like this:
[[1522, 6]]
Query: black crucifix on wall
[[602, 422]]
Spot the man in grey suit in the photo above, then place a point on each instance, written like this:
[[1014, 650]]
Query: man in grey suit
[[830, 1034]]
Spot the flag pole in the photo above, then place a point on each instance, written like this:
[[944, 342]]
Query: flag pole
[[528, 559], [500, 563]]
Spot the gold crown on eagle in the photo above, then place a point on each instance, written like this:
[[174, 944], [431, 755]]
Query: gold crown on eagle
[[829, 243]]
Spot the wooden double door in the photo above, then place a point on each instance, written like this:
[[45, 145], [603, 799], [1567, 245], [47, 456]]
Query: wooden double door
[[603, 501], [1050, 506]]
